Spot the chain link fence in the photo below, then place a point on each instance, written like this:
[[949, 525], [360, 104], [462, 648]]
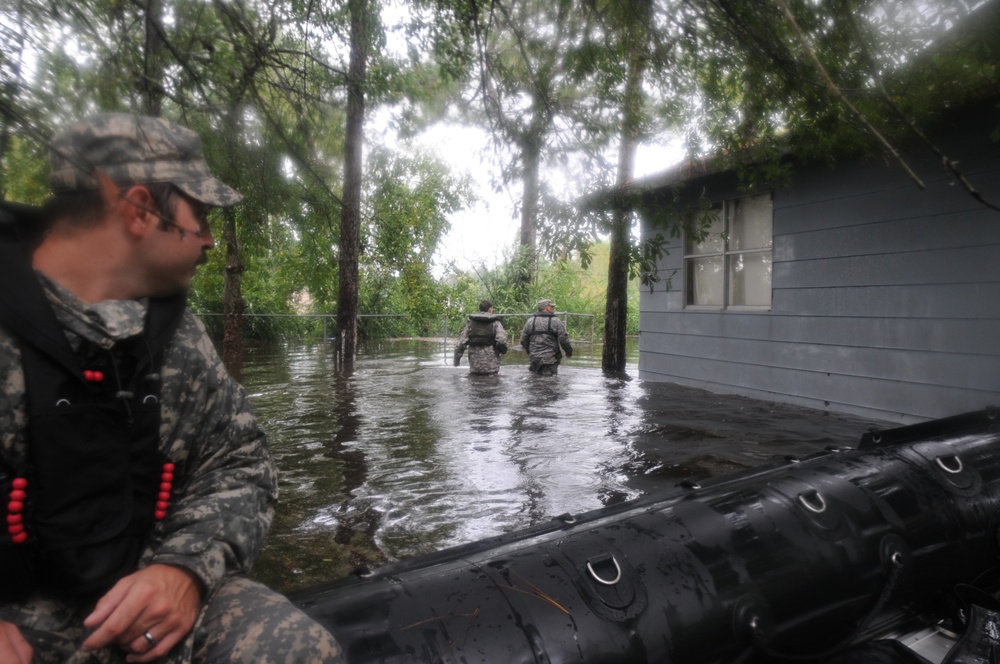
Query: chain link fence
[[581, 327]]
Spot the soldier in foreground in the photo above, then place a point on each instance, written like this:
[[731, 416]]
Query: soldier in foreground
[[135, 485], [542, 337], [486, 340]]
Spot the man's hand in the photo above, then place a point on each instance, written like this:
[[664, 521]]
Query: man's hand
[[161, 601], [13, 648]]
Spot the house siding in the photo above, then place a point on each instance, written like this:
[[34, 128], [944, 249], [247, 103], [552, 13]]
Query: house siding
[[885, 297]]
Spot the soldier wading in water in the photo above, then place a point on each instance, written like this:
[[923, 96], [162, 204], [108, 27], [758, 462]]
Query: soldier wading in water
[[542, 337], [486, 340], [135, 484]]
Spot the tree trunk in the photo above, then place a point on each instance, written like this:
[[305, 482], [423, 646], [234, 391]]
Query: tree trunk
[[530, 157], [9, 96], [350, 220], [526, 259], [233, 303], [613, 359], [151, 84]]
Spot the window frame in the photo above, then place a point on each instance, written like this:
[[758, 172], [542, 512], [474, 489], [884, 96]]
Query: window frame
[[726, 254]]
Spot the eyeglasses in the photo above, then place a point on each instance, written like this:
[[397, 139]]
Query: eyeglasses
[[201, 213], [168, 200], [203, 232]]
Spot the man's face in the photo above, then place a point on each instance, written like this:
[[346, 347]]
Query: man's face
[[179, 245]]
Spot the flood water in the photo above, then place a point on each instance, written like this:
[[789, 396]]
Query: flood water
[[410, 454]]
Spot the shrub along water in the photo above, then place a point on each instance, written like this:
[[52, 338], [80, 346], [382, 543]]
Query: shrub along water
[[573, 288], [412, 304]]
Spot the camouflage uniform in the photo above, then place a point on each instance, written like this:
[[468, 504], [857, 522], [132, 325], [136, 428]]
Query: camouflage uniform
[[224, 486], [541, 338], [132, 148], [486, 340]]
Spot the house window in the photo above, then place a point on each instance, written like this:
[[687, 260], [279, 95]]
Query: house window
[[731, 267]]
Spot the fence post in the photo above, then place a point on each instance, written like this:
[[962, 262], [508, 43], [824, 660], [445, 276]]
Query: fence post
[[444, 336]]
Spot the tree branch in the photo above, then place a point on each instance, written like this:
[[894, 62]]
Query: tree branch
[[839, 94], [950, 165]]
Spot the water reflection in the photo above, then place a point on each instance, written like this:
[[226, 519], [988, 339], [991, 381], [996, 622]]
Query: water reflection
[[410, 454]]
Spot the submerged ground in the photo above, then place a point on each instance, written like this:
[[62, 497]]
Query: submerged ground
[[410, 454]]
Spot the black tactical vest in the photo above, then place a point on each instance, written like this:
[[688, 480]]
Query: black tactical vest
[[92, 477], [481, 332], [548, 330]]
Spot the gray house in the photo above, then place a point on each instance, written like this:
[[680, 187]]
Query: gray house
[[848, 289]]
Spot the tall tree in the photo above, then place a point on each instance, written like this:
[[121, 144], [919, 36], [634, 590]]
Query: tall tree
[[524, 59], [635, 19], [245, 44], [151, 82], [409, 198], [11, 80], [350, 221]]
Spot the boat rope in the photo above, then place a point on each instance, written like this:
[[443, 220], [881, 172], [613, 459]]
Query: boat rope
[[892, 578]]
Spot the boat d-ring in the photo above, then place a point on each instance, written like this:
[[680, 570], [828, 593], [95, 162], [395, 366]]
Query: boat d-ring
[[948, 469], [597, 577], [150, 396], [63, 402], [813, 501]]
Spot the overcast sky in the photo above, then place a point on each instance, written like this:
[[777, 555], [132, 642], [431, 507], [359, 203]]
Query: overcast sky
[[483, 233]]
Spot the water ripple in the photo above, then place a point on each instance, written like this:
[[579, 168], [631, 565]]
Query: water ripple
[[413, 455]]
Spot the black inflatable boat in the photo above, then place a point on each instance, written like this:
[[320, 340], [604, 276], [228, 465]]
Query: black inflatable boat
[[811, 559]]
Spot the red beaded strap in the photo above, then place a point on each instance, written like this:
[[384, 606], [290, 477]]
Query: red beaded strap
[[166, 484], [15, 509], [93, 376]]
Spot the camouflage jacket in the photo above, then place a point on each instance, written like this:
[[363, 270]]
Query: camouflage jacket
[[224, 489], [542, 337], [484, 358]]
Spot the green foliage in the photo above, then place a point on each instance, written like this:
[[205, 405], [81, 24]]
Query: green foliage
[[409, 199], [263, 84], [826, 84], [24, 171]]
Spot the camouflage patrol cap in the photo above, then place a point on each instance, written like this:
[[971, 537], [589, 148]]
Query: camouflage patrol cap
[[545, 303], [135, 149]]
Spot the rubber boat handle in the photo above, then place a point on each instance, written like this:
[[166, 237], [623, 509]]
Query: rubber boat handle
[[602, 559], [813, 501], [954, 469]]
